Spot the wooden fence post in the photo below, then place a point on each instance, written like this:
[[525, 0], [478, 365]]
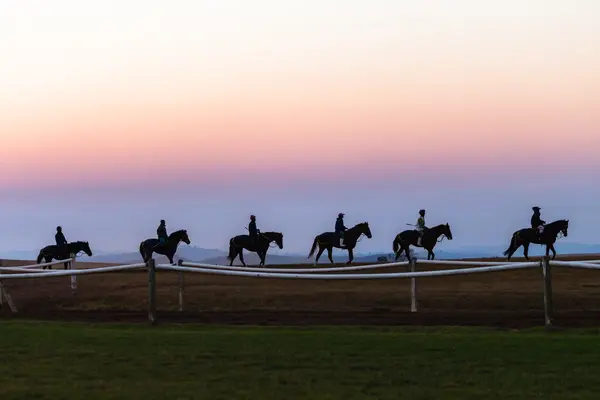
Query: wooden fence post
[[548, 306], [180, 281], [73, 277], [413, 286], [151, 265]]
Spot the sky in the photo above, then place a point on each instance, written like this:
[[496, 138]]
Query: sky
[[115, 114]]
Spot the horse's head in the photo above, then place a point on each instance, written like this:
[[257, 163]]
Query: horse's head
[[180, 236], [446, 231], [86, 248], [363, 227], [275, 236], [76, 247], [562, 226]]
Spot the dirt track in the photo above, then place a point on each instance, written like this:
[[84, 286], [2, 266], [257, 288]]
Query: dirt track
[[511, 299]]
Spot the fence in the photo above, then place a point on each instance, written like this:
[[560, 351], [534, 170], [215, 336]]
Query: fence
[[337, 273]]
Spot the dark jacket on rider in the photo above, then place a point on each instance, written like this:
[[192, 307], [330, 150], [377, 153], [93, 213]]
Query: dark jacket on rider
[[161, 231], [252, 231], [339, 225], [60, 239], [536, 220]]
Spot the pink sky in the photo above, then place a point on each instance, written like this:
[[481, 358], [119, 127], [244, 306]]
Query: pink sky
[[104, 93]]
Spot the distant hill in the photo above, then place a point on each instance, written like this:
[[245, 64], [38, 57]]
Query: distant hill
[[218, 256]]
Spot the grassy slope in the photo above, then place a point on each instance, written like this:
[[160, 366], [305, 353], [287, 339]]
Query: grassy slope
[[82, 361]]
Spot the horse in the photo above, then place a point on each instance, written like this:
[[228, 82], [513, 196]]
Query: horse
[[57, 252], [405, 239], [329, 240], [238, 243], [148, 246], [524, 237]]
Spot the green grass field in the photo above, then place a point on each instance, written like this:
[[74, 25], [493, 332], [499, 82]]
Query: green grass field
[[60, 361]]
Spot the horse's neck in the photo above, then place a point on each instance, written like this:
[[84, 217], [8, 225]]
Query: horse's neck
[[437, 230], [553, 226]]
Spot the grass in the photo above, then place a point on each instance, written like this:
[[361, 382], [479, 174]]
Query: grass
[[74, 361]]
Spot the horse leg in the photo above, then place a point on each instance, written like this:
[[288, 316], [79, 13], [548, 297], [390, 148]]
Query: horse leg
[[550, 247], [241, 253], [330, 253], [430, 253], [48, 259], [262, 254], [350, 256], [526, 250]]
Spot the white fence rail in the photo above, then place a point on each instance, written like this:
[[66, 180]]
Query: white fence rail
[[337, 273]]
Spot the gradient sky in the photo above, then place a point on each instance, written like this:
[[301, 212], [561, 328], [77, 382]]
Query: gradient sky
[[114, 114]]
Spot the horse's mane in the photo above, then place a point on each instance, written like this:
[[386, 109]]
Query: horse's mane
[[558, 221]]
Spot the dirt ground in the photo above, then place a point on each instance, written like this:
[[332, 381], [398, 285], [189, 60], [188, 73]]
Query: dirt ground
[[508, 299]]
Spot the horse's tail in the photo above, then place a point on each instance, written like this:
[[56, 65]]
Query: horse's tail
[[39, 257], [313, 248], [396, 244], [231, 254], [142, 251], [513, 242]]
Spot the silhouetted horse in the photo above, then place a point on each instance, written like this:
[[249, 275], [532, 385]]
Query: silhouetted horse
[[147, 247], [238, 243], [526, 236], [329, 240], [404, 240], [56, 252]]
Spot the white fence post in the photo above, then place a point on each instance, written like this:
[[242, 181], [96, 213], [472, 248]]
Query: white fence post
[[180, 282], [548, 306], [413, 286], [73, 277]]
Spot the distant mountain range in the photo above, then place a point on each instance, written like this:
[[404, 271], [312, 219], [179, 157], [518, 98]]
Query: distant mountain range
[[276, 256]]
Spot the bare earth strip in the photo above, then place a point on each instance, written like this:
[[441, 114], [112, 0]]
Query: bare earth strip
[[511, 299]]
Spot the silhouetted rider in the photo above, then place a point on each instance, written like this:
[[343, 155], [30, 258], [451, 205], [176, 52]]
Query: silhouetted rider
[[252, 230], [161, 232], [537, 222], [61, 242], [421, 228], [340, 228]]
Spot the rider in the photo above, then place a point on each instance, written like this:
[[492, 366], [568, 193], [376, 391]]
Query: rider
[[421, 228], [252, 231], [61, 242], [161, 232], [537, 222], [340, 228]]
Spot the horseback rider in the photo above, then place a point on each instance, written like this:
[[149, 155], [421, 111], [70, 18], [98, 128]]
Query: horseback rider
[[161, 232], [61, 242], [252, 230], [340, 228], [421, 228], [537, 222]]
